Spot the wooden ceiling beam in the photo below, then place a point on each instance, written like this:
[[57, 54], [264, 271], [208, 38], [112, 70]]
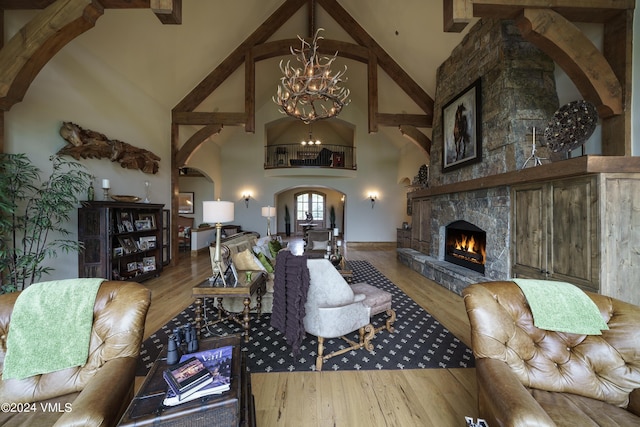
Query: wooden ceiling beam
[[417, 137], [397, 74], [250, 92], [235, 59], [41, 4], [372, 93], [22, 57], [188, 148], [167, 11], [417, 120], [459, 13], [207, 118], [576, 55]]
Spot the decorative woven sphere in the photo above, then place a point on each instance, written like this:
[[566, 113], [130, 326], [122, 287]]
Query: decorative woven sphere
[[571, 126]]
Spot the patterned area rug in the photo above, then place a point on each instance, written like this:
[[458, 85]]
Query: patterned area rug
[[418, 342]]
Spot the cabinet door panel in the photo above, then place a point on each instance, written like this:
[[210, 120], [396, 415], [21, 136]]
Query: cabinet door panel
[[574, 250], [529, 230]]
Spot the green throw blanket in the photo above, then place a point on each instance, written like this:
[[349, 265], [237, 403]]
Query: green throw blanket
[[50, 327], [562, 307]]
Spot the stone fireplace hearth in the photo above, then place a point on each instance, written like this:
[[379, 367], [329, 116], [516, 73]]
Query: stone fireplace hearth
[[572, 220], [517, 93]]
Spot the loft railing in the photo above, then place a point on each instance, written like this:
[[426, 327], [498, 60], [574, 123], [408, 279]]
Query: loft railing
[[298, 155]]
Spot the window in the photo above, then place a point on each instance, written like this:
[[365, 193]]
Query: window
[[311, 202]]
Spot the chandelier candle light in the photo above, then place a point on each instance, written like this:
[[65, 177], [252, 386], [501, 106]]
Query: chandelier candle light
[[311, 93], [217, 212]]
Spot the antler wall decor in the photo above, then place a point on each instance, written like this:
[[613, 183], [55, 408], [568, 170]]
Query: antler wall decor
[[84, 143]]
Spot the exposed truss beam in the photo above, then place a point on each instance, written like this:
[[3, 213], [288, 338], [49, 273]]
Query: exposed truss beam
[[236, 58], [391, 67], [576, 55], [418, 138], [188, 148], [22, 57], [459, 13]]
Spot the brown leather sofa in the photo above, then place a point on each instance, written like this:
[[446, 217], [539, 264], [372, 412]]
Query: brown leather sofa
[[95, 394], [532, 377]]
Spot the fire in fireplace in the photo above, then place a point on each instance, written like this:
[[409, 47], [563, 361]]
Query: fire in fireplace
[[465, 245]]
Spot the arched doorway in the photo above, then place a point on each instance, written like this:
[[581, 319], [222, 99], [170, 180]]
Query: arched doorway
[[320, 201]]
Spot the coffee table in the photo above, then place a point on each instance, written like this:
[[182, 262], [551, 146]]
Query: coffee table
[[244, 289], [232, 408]]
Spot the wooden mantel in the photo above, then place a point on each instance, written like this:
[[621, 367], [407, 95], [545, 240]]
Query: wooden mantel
[[579, 166]]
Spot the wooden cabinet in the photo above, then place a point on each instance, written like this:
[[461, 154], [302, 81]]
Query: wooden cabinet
[[421, 225], [555, 231], [404, 237], [122, 241]]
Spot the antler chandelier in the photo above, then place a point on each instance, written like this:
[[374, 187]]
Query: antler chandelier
[[311, 93]]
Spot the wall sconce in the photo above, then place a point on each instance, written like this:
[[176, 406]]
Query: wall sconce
[[373, 197], [246, 196]]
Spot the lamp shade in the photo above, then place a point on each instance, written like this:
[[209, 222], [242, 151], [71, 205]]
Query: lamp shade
[[217, 211], [268, 211]]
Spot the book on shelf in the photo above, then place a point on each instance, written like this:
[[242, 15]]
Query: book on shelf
[[187, 377], [217, 361]]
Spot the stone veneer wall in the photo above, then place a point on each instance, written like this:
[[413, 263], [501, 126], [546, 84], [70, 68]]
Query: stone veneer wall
[[518, 92]]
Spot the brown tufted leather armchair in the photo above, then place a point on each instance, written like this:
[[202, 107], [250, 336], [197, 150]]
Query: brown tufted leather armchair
[[97, 393], [533, 377]]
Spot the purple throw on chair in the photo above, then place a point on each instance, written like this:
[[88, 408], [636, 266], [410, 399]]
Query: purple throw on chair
[[290, 287]]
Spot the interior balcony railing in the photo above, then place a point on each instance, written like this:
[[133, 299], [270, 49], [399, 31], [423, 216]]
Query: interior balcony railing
[[298, 155]]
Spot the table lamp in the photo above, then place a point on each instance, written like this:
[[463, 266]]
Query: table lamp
[[268, 212], [217, 212]]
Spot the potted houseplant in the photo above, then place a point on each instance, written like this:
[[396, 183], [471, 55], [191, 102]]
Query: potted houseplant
[[287, 221], [33, 216]]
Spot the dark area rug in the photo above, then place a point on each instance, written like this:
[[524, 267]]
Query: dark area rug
[[419, 340]]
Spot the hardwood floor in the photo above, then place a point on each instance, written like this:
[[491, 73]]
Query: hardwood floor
[[424, 397]]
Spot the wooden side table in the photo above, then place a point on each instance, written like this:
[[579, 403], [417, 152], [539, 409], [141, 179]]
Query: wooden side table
[[257, 285], [232, 408]]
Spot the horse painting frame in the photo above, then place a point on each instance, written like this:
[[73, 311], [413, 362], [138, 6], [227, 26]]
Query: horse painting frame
[[462, 129]]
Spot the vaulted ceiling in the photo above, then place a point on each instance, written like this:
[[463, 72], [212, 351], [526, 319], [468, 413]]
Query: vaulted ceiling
[[401, 44]]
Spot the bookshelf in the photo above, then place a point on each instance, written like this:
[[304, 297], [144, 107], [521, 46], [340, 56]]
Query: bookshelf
[[122, 240]]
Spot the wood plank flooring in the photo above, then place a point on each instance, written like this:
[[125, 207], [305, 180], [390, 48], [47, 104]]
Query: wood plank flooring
[[424, 397]]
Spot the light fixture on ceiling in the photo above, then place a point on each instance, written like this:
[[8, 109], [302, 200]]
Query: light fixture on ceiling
[[310, 141], [311, 93]]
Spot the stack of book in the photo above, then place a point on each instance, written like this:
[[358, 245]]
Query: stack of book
[[198, 375]]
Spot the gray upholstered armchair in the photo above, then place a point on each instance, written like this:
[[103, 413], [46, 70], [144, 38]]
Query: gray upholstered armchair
[[334, 310], [317, 242]]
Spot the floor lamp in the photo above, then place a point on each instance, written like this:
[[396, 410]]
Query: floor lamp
[[217, 212], [268, 212]]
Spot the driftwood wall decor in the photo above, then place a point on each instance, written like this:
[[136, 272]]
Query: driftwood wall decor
[[83, 143]]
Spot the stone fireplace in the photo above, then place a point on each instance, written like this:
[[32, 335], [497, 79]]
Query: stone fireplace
[[465, 245], [517, 93]]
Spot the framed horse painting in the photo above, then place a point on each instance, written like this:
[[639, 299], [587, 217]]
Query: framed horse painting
[[462, 129]]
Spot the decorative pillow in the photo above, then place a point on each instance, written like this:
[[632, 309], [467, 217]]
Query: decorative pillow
[[315, 246], [246, 260], [274, 247], [264, 249], [265, 262]]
